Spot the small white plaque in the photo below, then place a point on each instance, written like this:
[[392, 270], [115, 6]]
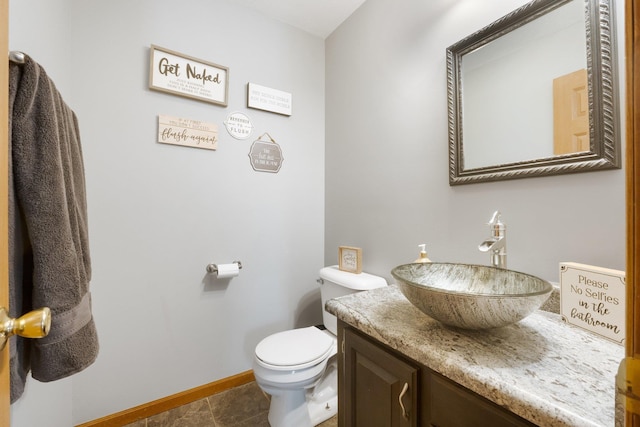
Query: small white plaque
[[264, 98], [238, 125], [593, 298], [187, 132]]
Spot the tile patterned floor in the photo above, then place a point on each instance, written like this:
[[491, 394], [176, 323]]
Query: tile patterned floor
[[243, 406]]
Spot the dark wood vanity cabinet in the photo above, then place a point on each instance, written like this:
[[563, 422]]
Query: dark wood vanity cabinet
[[379, 387]]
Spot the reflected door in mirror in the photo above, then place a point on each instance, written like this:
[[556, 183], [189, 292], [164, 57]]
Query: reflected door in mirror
[[571, 113]]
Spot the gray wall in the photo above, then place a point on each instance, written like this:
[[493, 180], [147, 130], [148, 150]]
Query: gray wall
[[387, 184], [159, 213]]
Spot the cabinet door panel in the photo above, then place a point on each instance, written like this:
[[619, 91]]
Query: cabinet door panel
[[375, 382], [452, 405]]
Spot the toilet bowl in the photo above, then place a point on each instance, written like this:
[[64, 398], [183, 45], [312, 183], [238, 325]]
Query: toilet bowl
[[299, 367], [288, 364]]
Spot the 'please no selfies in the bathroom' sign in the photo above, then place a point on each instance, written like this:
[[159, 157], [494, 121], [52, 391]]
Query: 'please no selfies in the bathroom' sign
[[593, 298]]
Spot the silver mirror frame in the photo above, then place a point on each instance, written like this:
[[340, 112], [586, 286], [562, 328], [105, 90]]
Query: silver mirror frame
[[604, 150]]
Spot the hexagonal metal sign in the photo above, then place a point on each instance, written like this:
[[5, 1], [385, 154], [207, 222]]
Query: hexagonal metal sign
[[266, 156]]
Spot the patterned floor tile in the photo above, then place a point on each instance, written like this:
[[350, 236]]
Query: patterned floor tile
[[195, 414], [331, 422], [234, 407]]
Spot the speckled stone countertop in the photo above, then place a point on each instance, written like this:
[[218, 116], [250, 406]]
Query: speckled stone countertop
[[541, 369]]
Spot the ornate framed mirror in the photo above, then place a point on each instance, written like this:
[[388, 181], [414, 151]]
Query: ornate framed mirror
[[534, 94]]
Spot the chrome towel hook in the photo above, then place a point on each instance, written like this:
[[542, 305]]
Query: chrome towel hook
[[16, 56]]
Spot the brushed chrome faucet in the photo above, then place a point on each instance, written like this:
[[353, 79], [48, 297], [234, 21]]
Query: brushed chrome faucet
[[496, 244]]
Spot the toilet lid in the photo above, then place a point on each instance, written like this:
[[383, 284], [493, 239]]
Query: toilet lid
[[294, 347]]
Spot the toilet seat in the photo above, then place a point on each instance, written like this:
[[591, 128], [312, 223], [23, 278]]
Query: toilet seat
[[294, 349]]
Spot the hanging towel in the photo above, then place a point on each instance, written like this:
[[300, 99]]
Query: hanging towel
[[48, 236]]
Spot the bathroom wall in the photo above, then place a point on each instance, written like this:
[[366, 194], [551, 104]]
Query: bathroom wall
[[158, 214], [387, 186]]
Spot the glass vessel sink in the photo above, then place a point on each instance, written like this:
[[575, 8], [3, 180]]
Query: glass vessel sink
[[471, 296]]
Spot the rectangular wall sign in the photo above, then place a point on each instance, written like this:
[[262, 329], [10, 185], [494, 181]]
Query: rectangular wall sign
[[187, 132], [593, 298], [267, 99], [179, 74]]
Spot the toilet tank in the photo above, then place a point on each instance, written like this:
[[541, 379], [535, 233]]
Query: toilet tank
[[335, 283]]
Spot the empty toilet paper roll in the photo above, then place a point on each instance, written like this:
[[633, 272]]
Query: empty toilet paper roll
[[228, 270]]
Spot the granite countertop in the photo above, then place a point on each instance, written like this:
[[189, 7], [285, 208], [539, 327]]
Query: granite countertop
[[540, 368]]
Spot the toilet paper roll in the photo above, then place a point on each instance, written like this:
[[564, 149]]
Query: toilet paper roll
[[228, 270]]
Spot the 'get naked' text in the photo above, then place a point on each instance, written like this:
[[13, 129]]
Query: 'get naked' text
[[166, 68]]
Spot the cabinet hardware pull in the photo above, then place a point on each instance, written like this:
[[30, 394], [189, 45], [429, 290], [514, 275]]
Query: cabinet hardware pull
[[405, 414]]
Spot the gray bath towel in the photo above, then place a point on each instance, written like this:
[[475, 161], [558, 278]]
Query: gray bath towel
[[49, 247]]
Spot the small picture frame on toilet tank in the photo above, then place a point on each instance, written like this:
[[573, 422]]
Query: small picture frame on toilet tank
[[350, 259]]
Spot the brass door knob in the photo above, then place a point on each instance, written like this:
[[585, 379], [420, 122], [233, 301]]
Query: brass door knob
[[35, 324]]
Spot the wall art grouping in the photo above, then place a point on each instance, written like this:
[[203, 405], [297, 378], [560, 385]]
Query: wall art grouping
[[179, 74]]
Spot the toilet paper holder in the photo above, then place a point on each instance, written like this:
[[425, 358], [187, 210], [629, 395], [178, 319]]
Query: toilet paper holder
[[213, 268]]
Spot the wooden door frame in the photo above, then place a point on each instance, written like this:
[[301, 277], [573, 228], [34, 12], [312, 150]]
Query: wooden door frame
[[4, 203], [632, 39]]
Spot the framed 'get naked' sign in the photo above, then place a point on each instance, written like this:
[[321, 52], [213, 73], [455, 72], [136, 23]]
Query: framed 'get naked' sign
[[183, 75]]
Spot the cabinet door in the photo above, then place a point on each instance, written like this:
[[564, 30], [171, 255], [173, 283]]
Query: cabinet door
[[451, 405], [381, 390]]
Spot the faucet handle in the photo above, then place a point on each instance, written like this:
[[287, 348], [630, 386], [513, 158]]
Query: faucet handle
[[495, 219], [496, 225]]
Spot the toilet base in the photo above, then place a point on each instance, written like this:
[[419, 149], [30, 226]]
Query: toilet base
[[322, 400], [310, 407], [320, 412], [289, 409], [294, 410]]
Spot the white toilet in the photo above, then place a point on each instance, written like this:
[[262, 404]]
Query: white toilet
[[299, 368]]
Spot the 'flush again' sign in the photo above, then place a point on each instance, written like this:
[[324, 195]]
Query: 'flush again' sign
[[593, 298], [187, 132]]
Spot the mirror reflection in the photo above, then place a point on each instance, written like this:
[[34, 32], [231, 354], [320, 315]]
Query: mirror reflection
[[528, 96]]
